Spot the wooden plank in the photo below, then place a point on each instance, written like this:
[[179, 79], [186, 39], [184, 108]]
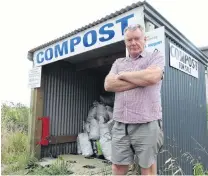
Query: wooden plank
[[35, 125], [62, 139]]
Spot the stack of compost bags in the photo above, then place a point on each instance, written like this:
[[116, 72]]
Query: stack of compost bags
[[96, 137]]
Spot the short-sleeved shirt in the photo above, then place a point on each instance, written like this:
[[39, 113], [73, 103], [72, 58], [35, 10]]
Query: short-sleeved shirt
[[141, 104]]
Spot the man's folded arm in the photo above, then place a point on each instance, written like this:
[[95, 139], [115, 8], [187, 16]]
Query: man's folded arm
[[113, 84], [143, 78], [149, 76]]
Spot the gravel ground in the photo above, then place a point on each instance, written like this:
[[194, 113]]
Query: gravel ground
[[85, 166], [81, 165]]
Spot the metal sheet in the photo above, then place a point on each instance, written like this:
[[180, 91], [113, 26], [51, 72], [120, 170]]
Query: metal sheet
[[68, 96], [184, 118]]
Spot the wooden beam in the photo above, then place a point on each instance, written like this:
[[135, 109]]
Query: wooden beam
[[62, 139], [98, 62], [35, 125]]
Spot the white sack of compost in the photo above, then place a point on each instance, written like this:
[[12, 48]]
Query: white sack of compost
[[103, 129], [110, 112], [105, 141], [86, 127], [85, 145], [101, 119], [110, 124], [94, 130], [101, 111], [110, 115], [92, 112], [79, 151]]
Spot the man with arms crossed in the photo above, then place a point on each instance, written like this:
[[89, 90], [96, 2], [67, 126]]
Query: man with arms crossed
[[136, 81]]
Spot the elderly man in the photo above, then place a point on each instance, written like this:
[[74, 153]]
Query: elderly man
[[136, 81]]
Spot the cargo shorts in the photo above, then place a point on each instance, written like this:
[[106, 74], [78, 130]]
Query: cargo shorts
[[142, 141]]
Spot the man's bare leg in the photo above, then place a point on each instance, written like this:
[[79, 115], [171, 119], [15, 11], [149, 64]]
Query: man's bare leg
[[119, 169], [152, 170]]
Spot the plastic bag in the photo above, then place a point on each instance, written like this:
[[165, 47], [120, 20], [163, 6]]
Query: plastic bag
[[110, 112], [92, 112], [85, 144], [110, 124], [110, 115], [94, 130], [104, 129], [99, 149], [107, 99], [109, 108], [79, 151], [102, 112], [86, 127], [101, 120], [105, 143]]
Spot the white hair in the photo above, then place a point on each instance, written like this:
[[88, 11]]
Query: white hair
[[133, 28]]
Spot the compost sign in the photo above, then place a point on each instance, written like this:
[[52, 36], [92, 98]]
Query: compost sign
[[155, 40], [35, 77], [105, 33], [182, 61]]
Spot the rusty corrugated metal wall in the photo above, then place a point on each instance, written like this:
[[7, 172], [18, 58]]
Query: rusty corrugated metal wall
[[184, 117], [68, 96]]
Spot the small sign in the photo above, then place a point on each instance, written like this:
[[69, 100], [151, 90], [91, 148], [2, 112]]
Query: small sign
[[182, 61], [35, 77], [156, 40]]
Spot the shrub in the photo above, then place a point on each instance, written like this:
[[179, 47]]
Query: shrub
[[14, 137], [17, 114], [199, 169], [14, 150]]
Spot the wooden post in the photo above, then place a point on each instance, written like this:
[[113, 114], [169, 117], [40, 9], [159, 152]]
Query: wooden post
[[35, 125]]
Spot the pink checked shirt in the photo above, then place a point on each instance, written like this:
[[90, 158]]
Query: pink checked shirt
[[141, 104]]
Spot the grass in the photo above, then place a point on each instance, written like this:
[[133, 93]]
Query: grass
[[199, 169], [14, 149], [60, 167], [173, 167], [14, 138], [16, 157]]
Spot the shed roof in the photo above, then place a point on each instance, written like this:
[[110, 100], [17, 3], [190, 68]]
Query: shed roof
[[204, 48], [112, 15], [150, 14]]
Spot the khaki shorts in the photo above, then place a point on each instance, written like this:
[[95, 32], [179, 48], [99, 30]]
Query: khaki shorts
[[141, 140]]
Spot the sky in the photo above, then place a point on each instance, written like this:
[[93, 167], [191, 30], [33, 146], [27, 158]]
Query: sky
[[26, 24]]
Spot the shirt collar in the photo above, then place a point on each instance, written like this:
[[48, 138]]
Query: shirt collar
[[142, 55]]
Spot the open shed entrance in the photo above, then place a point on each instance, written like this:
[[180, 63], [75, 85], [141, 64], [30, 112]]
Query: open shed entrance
[[69, 88]]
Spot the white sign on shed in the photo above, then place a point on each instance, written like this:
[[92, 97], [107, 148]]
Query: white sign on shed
[[182, 61], [155, 40], [35, 77]]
